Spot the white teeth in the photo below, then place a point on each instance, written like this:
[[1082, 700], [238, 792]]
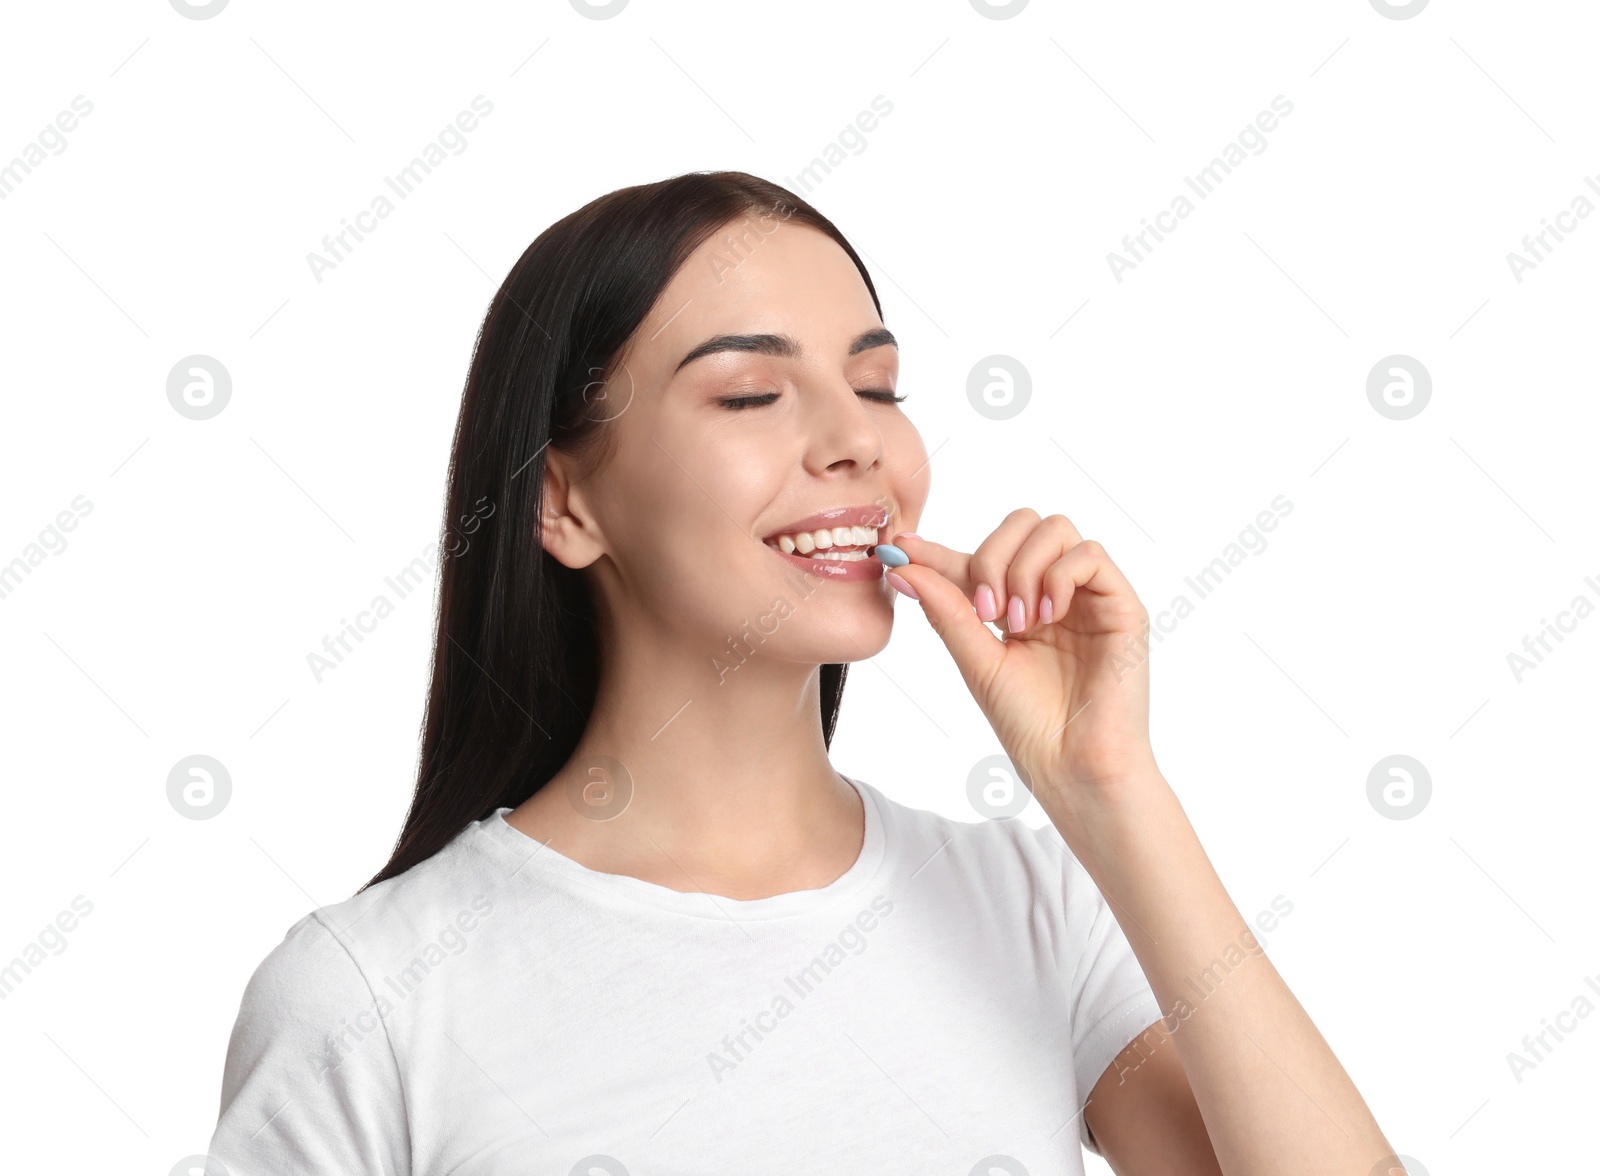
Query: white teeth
[[823, 539]]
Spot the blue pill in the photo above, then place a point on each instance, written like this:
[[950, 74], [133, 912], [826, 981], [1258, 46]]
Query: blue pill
[[891, 555]]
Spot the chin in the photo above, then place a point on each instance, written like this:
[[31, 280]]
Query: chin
[[857, 638]]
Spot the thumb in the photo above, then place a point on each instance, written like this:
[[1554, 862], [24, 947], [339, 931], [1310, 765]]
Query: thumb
[[977, 652]]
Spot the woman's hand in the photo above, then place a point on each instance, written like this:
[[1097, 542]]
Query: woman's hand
[[1067, 692]]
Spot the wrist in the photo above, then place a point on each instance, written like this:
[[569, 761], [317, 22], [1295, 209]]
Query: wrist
[[1098, 820]]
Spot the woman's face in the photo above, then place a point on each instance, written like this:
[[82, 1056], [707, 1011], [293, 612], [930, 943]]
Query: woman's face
[[687, 508]]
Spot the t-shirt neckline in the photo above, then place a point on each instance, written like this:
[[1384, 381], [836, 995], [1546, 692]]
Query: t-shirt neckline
[[533, 859]]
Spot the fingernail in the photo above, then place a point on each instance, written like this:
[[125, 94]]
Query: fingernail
[[899, 585], [1047, 610], [983, 601], [1014, 615], [907, 535]]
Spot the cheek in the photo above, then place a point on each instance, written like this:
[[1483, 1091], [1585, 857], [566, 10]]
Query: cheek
[[910, 470], [683, 562], [732, 460], [748, 469]]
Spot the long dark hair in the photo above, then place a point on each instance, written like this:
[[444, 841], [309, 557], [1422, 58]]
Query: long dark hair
[[516, 653]]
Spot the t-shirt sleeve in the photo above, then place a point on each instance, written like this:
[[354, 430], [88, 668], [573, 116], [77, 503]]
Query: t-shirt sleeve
[[310, 1084], [1110, 999]]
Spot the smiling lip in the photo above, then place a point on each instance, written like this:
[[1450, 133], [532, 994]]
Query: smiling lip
[[834, 570], [838, 516]]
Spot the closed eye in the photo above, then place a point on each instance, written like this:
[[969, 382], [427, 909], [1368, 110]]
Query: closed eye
[[881, 395]]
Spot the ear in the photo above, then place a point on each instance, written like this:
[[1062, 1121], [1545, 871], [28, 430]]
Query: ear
[[566, 528]]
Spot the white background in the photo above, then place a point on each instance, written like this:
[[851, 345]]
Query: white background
[[1228, 368]]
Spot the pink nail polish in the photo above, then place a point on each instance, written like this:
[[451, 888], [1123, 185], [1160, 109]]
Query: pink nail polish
[[899, 585], [1047, 610], [983, 601], [1014, 616]]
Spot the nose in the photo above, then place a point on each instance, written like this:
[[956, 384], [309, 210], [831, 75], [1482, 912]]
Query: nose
[[840, 428]]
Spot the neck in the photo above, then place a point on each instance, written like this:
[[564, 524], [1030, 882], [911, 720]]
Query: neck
[[724, 771]]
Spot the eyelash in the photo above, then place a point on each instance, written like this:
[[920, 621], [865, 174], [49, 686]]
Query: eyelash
[[881, 395]]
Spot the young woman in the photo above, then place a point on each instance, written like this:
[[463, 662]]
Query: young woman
[[636, 921]]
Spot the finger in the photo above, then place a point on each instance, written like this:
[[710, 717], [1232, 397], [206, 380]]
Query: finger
[[975, 649], [993, 557], [1086, 567], [953, 565], [1024, 603]]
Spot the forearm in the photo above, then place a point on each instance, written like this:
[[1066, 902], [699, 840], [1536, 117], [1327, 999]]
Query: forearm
[[1273, 1095]]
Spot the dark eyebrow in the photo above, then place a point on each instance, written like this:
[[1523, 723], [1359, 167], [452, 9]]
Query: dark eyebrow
[[783, 346]]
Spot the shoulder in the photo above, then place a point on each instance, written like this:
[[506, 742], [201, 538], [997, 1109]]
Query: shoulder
[[307, 968], [312, 1081], [969, 832], [326, 968], [436, 901], [1024, 859]]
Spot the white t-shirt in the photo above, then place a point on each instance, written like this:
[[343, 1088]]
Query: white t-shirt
[[499, 1008]]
